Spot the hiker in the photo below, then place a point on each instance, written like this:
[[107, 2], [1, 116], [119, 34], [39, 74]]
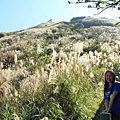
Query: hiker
[[112, 95]]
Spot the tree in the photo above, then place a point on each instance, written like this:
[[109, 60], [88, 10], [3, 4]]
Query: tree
[[100, 4]]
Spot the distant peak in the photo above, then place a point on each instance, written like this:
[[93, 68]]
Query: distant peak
[[50, 20]]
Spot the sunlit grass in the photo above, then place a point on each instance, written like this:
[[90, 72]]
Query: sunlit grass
[[56, 74]]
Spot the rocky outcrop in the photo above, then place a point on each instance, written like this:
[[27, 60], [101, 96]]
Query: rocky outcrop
[[90, 21]]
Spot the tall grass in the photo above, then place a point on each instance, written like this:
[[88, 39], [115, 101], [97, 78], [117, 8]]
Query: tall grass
[[67, 89], [55, 75], [63, 99]]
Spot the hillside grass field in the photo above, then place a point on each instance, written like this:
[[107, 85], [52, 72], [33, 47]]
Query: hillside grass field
[[55, 71]]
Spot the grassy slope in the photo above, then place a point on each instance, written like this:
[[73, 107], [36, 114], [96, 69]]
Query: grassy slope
[[56, 57]]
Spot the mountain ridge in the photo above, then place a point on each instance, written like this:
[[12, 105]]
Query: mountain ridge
[[92, 21], [75, 20]]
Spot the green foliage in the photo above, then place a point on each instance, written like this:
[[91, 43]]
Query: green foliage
[[92, 48], [116, 66], [7, 113], [117, 24], [68, 99], [8, 61], [11, 33], [99, 4], [38, 58], [7, 41], [79, 25]]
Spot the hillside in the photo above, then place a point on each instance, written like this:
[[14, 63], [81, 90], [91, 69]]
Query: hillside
[[81, 49], [89, 21], [62, 35]]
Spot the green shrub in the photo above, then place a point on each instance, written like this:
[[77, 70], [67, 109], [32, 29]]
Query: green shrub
[[92, 48], [8, 61]]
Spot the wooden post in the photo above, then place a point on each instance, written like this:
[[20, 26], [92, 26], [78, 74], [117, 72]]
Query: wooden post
[[105, 116]]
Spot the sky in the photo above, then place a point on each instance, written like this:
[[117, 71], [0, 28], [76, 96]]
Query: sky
[[16, 15]]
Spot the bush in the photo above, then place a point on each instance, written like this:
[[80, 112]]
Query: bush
[[2, 35], [8, 61], [92, 48]]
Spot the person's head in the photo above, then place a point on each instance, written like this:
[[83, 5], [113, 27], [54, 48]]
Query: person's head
[[109, 78]]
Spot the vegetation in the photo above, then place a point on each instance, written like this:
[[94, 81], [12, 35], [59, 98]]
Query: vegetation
[[100, 4], [56, 72]]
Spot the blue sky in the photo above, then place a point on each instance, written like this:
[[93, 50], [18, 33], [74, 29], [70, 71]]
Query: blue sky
[[20, 14]]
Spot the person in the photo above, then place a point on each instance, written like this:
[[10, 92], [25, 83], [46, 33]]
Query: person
[[112, 95]]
